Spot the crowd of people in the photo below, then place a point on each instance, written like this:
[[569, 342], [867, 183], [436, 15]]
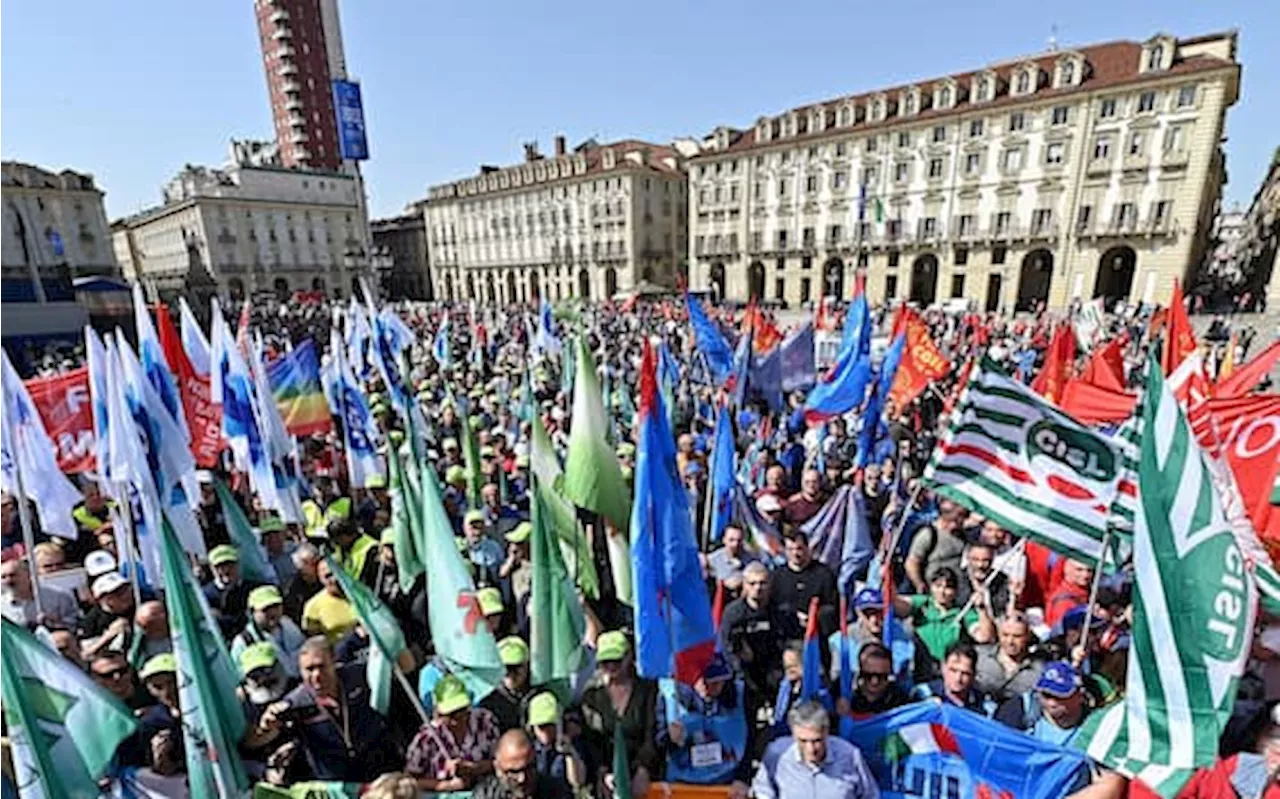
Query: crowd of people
[[968, 615]]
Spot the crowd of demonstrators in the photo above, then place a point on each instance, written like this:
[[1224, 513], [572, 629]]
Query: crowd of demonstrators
[[972, 618]]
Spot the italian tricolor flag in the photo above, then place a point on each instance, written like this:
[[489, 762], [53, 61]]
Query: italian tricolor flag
[[920, 739]]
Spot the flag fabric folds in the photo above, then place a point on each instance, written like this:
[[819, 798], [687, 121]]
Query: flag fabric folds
[[1058, 359], [839, 536], [1245, 377], [922, 362], [675, 636], [63, 728], [812, 686], [711, 342], [932, 743], [796, 358], [295, 385], [871, 417], [406, 514], [1194, 611], [844, 387], [386, 640], [253, 560], [188, 357], [592, 476], [1092, 404], [360, 434], [213, 720], [1251, 447], [26, 447], [232, 388], [1105, 368], [154, 363], [723, 480], [556, 620], [1017, 459]]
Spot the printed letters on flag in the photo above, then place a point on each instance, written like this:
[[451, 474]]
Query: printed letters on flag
[[1250, 430], [66, 409], [921, 364], [188, 355]]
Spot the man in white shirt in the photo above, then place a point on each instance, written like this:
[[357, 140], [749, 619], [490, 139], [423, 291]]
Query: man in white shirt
[[18, 598]]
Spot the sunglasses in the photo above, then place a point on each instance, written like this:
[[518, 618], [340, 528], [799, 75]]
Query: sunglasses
[[113, 675]]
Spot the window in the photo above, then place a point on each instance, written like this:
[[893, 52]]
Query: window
[[1107, 109], [900, 172], [1173, 139], [894, 257], [1186, 96], [1011, 161], [864, 230], [890, 287], [984, 88], [935, 167], [1146, 102], [841, 147], [813, 153], [1068, 73], [806, 262], [939, 133], [782, 187], [1059, 115], [1155, 58], [904, 139], [893, 228], [782, 239], [759, 161], [1126, 215], [972, 163], [909, 103], [1002, 221], [1017, 121], [757, 190], [1041, 220], [833, 234], [807, 236], [716, 194], [786, 157], [966, 225], [998, 255], [863, 260], [757, 241], [957, 286], [975, 128], [929, 227], [1135, 143], [806, 289], [839, 179], [869, 175], [871, 144], [1084, 217], [1024, 81], [1160, 213], [1053, 153], [733, 192], [961, 256], [844, 117], [780, 287], [811, 183], [944, 97], [1102, 147]]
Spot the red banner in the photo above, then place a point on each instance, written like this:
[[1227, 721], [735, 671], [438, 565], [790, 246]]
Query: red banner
[[203, 417], [1250, 432], [67, 412], [1092, 404], [921, 363]]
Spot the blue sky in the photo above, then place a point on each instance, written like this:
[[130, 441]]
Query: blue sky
[[131, 90]]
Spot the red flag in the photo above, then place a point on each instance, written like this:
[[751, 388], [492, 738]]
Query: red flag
[[66, 410], [1093, 404], [961, 382], [1105, 368], [1244, 378], [1181, 341], [242, 329], [921, 364], [203, 416], [1184, 367], [1250, 428], [1057, 365], [717, 605]]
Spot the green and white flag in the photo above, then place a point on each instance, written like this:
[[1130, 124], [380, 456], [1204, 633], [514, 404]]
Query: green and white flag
[[63, 727], [471, 457], [406, 512], [592, 476], [254, 565], [1015, 458], [386, 639], [1194, 605], [213, 721], [461, 637], [556, 620], [575, 548]]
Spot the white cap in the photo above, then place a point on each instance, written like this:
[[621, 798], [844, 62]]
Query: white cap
[[204, 476], [768, 503], [107, 583], [98, 563]]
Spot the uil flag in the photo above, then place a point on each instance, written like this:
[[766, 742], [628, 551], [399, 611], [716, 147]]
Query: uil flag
[[98, 363], [812, 685], [722, 474], [193, 340], [232, 388], [360, 435], [675, 636], [710, 340], [154, 362]]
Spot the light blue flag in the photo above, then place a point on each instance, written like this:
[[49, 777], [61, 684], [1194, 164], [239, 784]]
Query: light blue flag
[[723, 479], [281, 448], [99, 365], [360, 433], [154, 363], [440, 346], [232, 386]]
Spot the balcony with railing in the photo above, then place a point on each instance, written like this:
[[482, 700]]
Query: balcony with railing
[[282, 33]]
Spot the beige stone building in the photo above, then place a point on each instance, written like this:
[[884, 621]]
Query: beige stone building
[[251, 226], [591, 222], [1076, 173]]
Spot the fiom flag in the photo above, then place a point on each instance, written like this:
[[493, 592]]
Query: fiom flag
[[66, 409]]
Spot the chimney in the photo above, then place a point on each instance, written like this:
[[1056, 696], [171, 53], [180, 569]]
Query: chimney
[[531, 152], [559, 146]]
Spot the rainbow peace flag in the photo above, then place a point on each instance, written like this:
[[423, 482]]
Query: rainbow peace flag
[[295, 384]]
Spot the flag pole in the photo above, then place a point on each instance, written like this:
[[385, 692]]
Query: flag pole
[[24, 518], [125, 504], [1093, 593], [408, 689], [902, 522]]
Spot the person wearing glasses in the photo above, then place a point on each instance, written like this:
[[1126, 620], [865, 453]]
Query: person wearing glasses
[[112, 671], [868, 627], [515, 775], [874, 688]]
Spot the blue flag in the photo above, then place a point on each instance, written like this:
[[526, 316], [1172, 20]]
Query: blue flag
[[722, 474], [812, 685], [857, 325], [839, 537], [932, 749], [871, 417], [741, 370], [845, 386], [675, 636], [711, 342], [796, 361]]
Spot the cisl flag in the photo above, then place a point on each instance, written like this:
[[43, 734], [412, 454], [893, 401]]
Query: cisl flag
[[67, 412]]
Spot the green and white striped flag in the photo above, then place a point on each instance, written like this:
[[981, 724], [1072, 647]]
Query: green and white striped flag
[[575, 548], [62, 726], [386, 639], [1015, 458], [1194, 610]]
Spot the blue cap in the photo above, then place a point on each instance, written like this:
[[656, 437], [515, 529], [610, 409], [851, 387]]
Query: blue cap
[[692, 469], [868, 598], [1059, 679], [717, 670], [1074, 619]]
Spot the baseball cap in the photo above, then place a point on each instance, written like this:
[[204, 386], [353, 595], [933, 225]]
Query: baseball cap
[[520, 533], [1059, 679], [270, 524], [340, 508], [487, 451], [513, 651], [450, 443], [543, 709], [223, 553], [261, 655], [98, 563], [473, 516], [164, 663], [375, 481], [455, 473], [611, 646], [490, 600], [626, 449], [264, 596], [868, 598], [108, 583], [522, 461], [768, 504], [717, 670], [450, 695], [387, 537]]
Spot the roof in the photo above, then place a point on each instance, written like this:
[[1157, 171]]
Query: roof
[[1110, 64]]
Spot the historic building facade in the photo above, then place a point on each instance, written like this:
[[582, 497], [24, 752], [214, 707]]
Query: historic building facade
[[591, 223], [1076, 173]]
